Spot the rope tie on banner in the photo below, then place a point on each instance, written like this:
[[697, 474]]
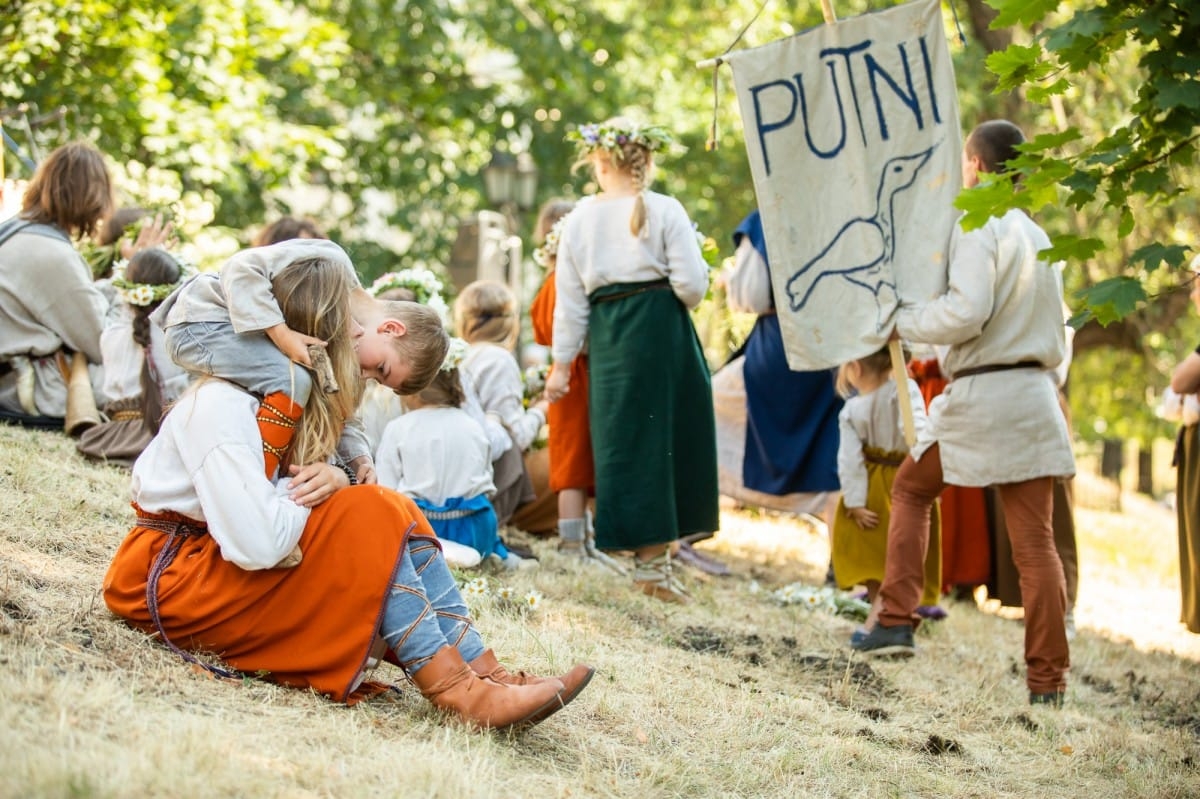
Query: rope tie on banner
[[716, 63]]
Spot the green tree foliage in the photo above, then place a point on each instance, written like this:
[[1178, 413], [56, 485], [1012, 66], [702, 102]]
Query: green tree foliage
[[377, 117]]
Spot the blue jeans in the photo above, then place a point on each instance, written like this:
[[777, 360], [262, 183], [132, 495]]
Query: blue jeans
[[425, 611], [251, 360]]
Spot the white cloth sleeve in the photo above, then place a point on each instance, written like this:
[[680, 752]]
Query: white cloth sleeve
[[246, 279], [686, 268], [960, 313], [498, 381], [571, 307], [748, 283], [252, 519], [852, 469]]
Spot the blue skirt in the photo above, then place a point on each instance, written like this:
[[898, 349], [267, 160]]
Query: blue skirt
[[791, 419], [467, 521]]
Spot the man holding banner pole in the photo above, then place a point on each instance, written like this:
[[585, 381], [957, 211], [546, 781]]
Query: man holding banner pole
[[997, 423]]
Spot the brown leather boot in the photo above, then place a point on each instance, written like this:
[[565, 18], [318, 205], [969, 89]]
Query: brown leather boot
[[572, 682], [450, 684]]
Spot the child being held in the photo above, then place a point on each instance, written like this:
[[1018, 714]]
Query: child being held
[[436, 453], [232, 328], [870, 450]]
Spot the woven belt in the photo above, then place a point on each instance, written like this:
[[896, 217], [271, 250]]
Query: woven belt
[[1000, 367], [883, 460], [657, 285], [447, 515]]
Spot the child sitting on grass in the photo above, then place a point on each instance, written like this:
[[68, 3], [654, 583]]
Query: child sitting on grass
[[439, 455]]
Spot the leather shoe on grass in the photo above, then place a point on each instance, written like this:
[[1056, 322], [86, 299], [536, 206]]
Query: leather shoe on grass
[[892, 641]]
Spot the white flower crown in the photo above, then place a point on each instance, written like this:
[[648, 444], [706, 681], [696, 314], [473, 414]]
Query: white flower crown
[[549, 248], [454, 354], [143, 294]]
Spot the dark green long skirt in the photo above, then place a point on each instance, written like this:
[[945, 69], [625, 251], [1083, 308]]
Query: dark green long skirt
[[653, 433]]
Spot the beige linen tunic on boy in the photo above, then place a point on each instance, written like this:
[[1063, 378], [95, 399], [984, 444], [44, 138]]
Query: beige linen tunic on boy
[[1003, 306]]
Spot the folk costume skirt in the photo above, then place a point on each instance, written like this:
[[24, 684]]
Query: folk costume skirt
[[859, 555], [653, 432], [310, 626], [791, 419], [570, 441]]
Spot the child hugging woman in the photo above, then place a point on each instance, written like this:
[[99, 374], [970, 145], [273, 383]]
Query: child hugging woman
[[870, 450], [436, 453]]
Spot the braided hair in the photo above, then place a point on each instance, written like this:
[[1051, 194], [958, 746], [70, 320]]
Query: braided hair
[[152, 266]]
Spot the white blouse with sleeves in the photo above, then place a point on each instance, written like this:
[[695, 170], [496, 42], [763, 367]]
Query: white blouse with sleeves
[[598, 249], [207, 463]]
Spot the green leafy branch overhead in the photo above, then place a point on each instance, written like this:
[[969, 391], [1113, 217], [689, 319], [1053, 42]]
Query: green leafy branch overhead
[[1141, 162]]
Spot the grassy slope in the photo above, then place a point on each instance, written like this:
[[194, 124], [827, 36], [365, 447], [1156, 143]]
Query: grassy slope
[[731, 697]]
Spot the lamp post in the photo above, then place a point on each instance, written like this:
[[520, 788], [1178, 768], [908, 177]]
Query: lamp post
[[510, 182]]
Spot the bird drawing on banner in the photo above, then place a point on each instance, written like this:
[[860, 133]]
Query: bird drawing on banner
[[863, 248]]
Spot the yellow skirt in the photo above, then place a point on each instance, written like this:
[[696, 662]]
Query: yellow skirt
[[858, 554]]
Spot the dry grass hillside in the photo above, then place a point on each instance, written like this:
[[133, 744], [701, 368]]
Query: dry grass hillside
[[734, 696]]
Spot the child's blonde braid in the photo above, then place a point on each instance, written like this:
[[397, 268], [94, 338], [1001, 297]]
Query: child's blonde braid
[[635, 156]]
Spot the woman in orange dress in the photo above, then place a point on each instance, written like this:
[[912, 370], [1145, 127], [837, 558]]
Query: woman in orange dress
[[302, 580]]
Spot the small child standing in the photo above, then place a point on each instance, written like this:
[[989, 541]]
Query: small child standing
[[231, 327], [870, 451], [571, 474], [140, 379], [437, 454], [485, 315]]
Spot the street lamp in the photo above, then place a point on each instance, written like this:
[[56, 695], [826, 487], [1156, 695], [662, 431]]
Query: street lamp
[[510, 182]]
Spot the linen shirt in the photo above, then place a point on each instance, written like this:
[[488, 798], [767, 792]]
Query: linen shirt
[[1003, 305], [48, 301], [435, 454], [123, 358], [598, 249], [207, 463], [495, 378], [242, 293], [873, 420]]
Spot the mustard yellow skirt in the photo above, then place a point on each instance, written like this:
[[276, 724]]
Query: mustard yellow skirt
[[858, 554]]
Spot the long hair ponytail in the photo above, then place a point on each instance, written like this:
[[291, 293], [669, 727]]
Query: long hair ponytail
[[314, 296]]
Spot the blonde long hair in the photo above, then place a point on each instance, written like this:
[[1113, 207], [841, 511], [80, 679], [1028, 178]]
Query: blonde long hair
[[314, 296], [486, 310]]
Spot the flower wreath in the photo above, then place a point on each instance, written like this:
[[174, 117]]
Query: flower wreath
[[454, 354], [549, 248], [420, 281], [143, 294], [612, 138]]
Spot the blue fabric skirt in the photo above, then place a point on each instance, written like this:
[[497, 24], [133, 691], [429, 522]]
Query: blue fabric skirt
[[791, 419], [470, 521]]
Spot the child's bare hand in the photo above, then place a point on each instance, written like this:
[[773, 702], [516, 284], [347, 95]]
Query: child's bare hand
[[313, 484], [864, 518], [364, 470], [558, 383], [293, 344]]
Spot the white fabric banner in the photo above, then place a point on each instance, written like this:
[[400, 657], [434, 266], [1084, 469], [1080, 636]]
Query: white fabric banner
[[853, 135]]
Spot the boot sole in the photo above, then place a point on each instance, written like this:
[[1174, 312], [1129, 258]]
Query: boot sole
[[553, 706], [895, 650]]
